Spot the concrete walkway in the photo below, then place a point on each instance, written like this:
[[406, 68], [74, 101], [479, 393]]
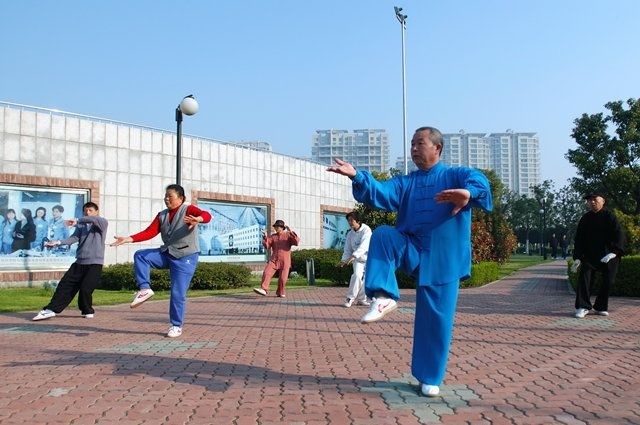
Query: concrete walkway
[[518, 357]]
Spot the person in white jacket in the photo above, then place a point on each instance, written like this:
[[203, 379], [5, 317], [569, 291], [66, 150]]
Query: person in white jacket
[[355, 252]]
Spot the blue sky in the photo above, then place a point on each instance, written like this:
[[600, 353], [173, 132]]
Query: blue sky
[[278, 70]]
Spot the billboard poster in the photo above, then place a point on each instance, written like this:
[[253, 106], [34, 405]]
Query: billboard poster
[[30, 216], [334, 228], [234, 233]]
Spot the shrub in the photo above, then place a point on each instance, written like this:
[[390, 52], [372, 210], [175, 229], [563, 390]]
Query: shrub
[[325, 261], [626, 283], [220, 276], [481, 274], [206, 276]]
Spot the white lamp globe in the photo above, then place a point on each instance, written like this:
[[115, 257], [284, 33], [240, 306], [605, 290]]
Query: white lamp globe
[[189, 105]]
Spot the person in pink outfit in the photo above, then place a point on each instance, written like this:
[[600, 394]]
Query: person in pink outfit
[[279, 243]]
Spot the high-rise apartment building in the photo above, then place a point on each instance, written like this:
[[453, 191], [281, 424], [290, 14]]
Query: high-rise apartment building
[[515, 157], [366, 149]]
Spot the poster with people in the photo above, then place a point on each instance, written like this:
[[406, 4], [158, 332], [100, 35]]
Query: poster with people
[[31, 216], [234, 234], [334, 230]]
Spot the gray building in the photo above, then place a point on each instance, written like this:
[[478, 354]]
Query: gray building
[[51, 157], [366, 149]]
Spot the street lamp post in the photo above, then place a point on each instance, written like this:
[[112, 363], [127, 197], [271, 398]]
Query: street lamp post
[[541, 231], [188, 106], [543, 222], [403, 23]]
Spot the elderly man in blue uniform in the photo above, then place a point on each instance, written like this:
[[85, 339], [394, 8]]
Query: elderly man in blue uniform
[[431, 242]]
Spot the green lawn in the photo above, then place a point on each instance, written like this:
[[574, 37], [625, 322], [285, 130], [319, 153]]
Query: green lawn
[[520, 261], [33, 299]]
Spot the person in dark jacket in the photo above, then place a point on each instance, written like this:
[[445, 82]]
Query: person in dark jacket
[[598, 246], [24, 232]]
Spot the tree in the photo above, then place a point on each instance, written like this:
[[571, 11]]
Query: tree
[[374, 217], [569, 207], [608, 155], [492, 236], [523, 216]]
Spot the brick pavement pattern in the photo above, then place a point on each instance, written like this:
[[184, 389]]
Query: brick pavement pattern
[[518, 357]]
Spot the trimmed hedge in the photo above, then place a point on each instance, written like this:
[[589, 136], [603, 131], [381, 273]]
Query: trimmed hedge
[[626, 283], [481, 274], [325, 261], [207, 276]]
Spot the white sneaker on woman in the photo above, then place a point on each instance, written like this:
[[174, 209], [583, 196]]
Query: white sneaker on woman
[[174, 332], [141, 296]]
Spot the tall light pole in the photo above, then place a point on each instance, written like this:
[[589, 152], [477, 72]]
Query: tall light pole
[[403, 23], [543, 225], [188, 106]]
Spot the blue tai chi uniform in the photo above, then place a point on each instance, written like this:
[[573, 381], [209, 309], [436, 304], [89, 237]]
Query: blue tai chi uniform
[[427, 243]]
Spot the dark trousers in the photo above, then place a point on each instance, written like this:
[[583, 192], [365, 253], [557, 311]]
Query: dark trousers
[[81, 279], [585, 281]]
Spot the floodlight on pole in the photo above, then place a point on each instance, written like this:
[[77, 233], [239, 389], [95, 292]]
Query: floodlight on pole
[[188, 106], [402, 18]]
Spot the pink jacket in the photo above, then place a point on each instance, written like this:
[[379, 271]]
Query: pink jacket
[[280, 245]]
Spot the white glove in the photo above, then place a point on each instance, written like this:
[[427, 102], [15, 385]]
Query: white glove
[[575, 266], [610, 256]]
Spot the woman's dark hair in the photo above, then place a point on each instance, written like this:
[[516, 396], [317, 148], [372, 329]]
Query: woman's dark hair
[[177, 189], [44, 210], [26, 212]]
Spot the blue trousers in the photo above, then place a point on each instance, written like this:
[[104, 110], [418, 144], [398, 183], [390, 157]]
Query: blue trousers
[[180, 270], [390, 250]]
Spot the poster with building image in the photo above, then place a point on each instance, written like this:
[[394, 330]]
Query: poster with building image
[[334, 230], [234, 233], [44, 210]]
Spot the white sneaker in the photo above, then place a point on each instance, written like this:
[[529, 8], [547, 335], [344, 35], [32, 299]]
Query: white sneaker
[[430, 390], [44, 314], [581, 312], [364, 303], [141, 296], [380, 307], [88, 316], [348, 302], [601, 313], [260, 291], [174, 332]]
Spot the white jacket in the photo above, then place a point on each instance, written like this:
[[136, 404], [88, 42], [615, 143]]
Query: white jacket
[[357, 244]]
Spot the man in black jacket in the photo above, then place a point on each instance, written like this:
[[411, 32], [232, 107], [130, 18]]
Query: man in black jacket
[[598, 247]]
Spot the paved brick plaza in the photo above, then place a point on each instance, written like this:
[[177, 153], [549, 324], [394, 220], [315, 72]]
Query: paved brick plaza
[[518, 357]]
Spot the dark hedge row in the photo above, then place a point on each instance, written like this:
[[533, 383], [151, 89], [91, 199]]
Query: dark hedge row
[[626, 283], [207, 276], [325, 261]]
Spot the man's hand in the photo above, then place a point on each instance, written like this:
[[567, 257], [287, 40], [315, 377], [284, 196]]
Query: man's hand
[[343, 168], [610, 256], [458, 197], [345, 262], [575, 266], [71, 222], [51, 244]]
